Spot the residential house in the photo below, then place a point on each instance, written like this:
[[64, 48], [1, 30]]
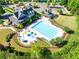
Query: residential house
[[19, 16]]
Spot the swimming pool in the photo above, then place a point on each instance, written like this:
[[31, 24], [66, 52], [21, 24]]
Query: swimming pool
[[49, 32]]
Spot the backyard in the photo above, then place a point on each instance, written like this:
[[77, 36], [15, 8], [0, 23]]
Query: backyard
[[3, 34], [21, 48], [59, 48], [68, 21]]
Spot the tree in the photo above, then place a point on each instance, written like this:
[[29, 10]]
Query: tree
[[1, 10], [2, 55], [35, 51], [48, 2], [63, 2], [9, 37], [20, 26], [46, 53], [58, 42], [68, 30], [73, 6], [54, 2], [60, 11]]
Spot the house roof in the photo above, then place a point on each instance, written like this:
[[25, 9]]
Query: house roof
[[29, 12], [5, 16], [20, 16], [16, 14], [24, 14], [13, 19]]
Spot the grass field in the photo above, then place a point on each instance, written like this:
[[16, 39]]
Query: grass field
[[23, 49], [69, 21], [3, 34], [19, 48]]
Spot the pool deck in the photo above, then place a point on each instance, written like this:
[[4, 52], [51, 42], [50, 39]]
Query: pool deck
[[40, 35], [48, 23]]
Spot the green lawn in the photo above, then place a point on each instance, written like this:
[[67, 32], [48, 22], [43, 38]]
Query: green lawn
[[19, 48], [69, 21], [41, 43], [9, 10], [23, 49], [3, 34], [1, 21]]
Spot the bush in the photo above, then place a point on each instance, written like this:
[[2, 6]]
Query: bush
[[21, 4], [60, 12], [27, 22], [36, 16], [2, 11], [73, 6], [58, 42], [31, 19], [46, 53], [16, 2], [68, 14], [68, 30], [1, 21], [35, 5], [9, 36], [20, 26], [2, 2]]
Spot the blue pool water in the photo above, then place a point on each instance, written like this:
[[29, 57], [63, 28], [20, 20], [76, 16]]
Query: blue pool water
[[46, 30]]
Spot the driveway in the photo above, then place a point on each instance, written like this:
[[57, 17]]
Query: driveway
[[43, 7]]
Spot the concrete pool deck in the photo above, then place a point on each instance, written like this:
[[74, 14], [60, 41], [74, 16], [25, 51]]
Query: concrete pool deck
[[23, 36]]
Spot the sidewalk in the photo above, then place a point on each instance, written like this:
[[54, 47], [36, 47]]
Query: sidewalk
[[8, 28]]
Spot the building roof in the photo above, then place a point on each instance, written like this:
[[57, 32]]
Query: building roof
[[19, 16], [13, 19], [24, 14], [5, 16], [30, 12], [16, 14]]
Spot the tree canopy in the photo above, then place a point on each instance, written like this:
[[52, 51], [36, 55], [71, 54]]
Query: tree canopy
[[1, 10]]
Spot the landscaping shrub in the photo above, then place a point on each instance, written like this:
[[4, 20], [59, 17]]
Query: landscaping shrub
[[1, 21], [1, 10], [58, 42], [73, 6], [68, 14], [9, 36], [20, 26], [31, 19], [46, 53], [60, 12], [27, 22], [21, 4], [35, 5], [68, 30], [16, 2]]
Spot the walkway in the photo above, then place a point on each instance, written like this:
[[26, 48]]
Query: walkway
[[8, 28]]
